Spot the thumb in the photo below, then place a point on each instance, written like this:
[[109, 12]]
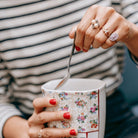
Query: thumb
[[72, 32]]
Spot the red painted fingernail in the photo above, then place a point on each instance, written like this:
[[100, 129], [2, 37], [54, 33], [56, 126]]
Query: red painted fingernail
[[77, 48], [73, 132], [85, 50], [66, 115], [53, 101]]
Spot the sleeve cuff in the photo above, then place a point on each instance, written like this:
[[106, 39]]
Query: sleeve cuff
[[134, 59], [7, 111]]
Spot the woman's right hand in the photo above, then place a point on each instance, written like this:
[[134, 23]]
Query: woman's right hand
[[40, 117]]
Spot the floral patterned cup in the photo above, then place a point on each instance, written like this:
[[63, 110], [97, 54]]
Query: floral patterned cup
[[85, 100]]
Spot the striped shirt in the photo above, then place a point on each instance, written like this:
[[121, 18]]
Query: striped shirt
[[34, 48]]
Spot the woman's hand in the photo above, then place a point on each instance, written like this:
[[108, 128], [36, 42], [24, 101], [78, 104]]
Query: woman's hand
[[103, 27], [40, 117]]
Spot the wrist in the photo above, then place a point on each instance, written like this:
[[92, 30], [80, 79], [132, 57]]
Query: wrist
[[132, 39]]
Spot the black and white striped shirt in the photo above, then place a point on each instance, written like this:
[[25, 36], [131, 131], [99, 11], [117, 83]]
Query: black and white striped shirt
[[34, 48]]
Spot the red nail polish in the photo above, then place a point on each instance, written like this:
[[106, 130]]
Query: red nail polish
[[72, 132], [66, 115], [53, 101], [85, 50], [77, 48]]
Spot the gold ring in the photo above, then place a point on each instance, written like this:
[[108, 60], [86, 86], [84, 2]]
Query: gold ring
[[106, 32]]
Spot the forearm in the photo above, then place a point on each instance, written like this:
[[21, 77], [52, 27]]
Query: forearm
[[15, 127], [132, 40]]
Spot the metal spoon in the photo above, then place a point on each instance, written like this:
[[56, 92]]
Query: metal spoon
[[67, 76]]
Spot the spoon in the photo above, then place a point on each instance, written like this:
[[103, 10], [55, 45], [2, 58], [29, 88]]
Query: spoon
[[67, 76]]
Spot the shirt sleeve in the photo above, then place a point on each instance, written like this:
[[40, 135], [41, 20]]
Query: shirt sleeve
[[130, 12], [134, 59], [7, 109]]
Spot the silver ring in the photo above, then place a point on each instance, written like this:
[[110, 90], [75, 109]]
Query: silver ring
[[113, 37], [40, 133], [95, 24]]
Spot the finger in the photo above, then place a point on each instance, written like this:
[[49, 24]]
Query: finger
[[117, 36], [89, 37], [90, 33], [45, 116], [84, 24], [110, 26], [42, 102], [53, 133], [72, 32]]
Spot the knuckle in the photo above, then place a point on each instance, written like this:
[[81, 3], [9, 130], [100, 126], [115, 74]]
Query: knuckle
[[118, 17], [109, 44], [57, 115], [126, 27], [89, 34], [40, 118], [31, 133], [99, 39], [47, 134], [110, 9], [80, 30], [93, 7], [30, 121]]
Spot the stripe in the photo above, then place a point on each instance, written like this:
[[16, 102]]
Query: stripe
[[40, 11], [20, 5]]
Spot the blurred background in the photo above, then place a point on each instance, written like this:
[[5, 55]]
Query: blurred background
[[130, 83]]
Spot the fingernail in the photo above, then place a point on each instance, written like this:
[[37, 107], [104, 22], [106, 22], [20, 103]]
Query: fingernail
[[53, 101], [73, 132], [77, 48], [66, 115], [85, 50]]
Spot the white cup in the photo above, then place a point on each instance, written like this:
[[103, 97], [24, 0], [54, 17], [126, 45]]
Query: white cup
[[85, 99]]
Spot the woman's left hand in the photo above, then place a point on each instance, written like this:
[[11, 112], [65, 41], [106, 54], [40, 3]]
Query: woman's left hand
[[100, 27]]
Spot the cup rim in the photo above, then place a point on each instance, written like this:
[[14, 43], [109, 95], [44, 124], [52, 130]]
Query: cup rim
[[103, 84]]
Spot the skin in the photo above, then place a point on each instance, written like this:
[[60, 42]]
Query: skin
[[109, 19], [31, 127], [85, 37]]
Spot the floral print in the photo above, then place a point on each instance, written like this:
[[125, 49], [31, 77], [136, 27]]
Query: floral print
[[80, 103], [80, 129], [65, 108], [93, 95], [94, 123], [81, 118], [78, 93], [93, 109], [63, 96], [65, 124]]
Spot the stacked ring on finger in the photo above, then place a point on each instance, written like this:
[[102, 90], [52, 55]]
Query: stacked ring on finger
[[40, 133], [105, 31], [95, 23]]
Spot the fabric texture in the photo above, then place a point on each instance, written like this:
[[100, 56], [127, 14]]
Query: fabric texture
[[34, 48]]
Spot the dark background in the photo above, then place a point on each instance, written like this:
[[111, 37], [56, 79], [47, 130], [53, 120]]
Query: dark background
[[130, 80]]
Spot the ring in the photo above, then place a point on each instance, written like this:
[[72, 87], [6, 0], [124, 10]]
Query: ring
[[40, 133], [113, 37], [95, 24], [106, 32]]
